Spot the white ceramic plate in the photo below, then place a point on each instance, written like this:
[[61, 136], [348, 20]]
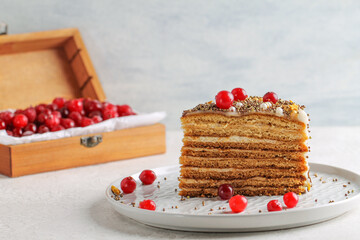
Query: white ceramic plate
[[331, 184]]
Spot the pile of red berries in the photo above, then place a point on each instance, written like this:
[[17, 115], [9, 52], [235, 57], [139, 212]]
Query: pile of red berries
[[224, 99], [59, 115]]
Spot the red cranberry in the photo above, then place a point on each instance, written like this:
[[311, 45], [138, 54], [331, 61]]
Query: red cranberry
[[19, 111], [128, 185], [76, 116], [52, 121], [125, 110], [59, 102], [52, 107], [86, 122], [64, 112], [30, 113], [7, 116], [20, 121], [56, 114], [92, 106], [147, 177], [94, 113], [30, 127], [291, 199], [109, 106], [239, 94], [274, 205], [67, 123], [40, 108], [75, 105], [97, 119], [27, 133], [225, 191], [66, 104], [108, 113], [270, 97], [17, 132], [238, 203], [148, 205], [224, 99], [57, 128], [43, 129], [2, 124], [86, 102], [41, 118], [47, 111]]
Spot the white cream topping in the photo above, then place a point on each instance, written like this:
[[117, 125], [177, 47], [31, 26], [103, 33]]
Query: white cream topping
[[265, 105], [239, 104], [232, 109], [279, 112], [302, 116], [230, 139]]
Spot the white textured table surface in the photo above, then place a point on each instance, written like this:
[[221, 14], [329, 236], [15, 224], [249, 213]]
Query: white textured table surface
[[70, 204]]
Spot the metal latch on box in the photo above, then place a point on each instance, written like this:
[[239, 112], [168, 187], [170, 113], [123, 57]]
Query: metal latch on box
[[91, 141]]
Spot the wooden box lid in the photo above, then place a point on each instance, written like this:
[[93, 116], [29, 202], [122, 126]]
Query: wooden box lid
[[37, 67]]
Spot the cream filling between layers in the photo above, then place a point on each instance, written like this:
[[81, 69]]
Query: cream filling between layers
[[231, 139], [224, 125], [242, 188], [259, 179], [224, 170], [202, 181], [217, 126], [235, 150]]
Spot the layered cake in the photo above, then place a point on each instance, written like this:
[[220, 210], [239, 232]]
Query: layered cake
[[255, 144]]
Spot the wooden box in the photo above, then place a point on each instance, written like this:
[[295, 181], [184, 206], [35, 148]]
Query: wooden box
[[35, 68]]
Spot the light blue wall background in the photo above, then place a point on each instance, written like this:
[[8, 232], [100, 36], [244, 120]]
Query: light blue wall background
[[172, 55]]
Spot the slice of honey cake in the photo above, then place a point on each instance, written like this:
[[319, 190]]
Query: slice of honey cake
[[255, 144]]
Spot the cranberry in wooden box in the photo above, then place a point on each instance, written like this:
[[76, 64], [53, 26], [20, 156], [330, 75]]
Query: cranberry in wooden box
[[35, 68]]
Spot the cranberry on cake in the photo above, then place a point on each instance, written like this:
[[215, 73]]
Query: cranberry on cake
[[255, 144]]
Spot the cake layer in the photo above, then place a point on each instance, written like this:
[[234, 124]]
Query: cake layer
[[239, 153], [237, 183], [236, 173], [262, 132], [240, 162], [253, 119], [247, 191], [243, 143]]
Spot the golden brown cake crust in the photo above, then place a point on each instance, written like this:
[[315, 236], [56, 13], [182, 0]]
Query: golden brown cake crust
[[238, 183], [241, 162], [235, 173], [239, 153], [289, 147], [267, 191]]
